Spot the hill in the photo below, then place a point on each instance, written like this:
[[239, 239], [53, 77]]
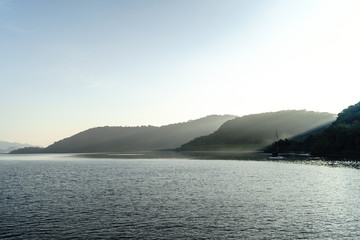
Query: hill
[[6, 147], [256, 131], [341, 137], [144, 138]]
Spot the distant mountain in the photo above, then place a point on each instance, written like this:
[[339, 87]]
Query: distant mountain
[[258, 130], [144, 138], [6, 147]]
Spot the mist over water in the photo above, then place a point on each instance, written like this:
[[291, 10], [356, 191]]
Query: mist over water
[[75, 197]]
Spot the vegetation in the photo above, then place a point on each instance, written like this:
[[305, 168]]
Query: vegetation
[[256, 131], [301, 143], [28, 150], [302, 131], [144, 138], [342, 137]]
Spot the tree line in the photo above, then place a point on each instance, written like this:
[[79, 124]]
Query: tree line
[[341, 137]]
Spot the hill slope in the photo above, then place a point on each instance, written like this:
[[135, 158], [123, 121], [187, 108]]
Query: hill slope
[[342, 137], [120, 139], [257, 130]]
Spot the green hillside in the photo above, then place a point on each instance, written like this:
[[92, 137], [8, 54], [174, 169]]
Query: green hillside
[[256, 131], [342, 137]]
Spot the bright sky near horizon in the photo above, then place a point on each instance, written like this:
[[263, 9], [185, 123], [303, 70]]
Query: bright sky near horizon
[[67, 66]]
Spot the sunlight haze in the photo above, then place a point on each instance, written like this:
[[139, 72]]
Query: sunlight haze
[[67, 66]]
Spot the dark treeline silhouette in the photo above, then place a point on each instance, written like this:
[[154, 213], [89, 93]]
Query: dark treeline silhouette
[[342, 137], [26, 150], [256, 131]]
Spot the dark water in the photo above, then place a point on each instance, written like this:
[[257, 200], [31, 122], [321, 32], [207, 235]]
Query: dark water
[[52, 197]]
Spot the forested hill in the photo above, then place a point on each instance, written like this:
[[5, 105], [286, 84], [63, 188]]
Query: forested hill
[[122, 139], [342, 137], [255, 131]]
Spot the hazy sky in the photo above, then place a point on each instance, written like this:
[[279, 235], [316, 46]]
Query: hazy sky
[[67, 66]]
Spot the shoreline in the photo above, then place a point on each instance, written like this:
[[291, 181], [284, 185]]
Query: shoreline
[[211, 154]]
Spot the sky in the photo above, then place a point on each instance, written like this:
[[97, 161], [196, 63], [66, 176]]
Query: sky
[[67, 66]]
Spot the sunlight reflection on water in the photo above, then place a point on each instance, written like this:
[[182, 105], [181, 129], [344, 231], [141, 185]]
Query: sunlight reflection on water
[[65, 196]]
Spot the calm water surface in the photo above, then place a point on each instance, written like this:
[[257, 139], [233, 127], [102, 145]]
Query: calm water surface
[[57, 196]]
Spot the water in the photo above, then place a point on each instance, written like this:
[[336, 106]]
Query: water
[[57, 196]]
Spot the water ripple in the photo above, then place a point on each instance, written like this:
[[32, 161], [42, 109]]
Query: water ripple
[[177, 199]]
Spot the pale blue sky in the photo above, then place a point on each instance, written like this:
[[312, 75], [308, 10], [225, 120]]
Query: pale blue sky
[[67, 66]]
